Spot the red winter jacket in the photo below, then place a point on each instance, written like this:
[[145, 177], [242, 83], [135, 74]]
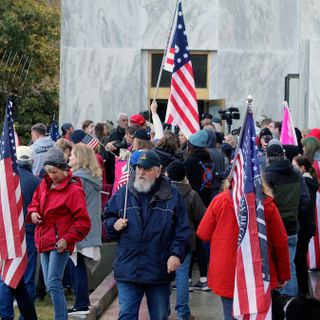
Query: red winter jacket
[[63, 211], [219, 226]]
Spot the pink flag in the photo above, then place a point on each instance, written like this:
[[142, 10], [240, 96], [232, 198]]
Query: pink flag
[[288, 135]]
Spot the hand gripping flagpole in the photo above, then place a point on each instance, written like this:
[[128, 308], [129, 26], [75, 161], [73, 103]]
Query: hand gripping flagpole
[[169, 41], [248, 108]]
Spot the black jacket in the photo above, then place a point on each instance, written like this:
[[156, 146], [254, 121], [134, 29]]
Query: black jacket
[[290, 192], [307, 218], [194, 173]]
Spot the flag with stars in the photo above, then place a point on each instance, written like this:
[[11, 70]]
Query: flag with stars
[[54, 131], [13, 257], [252, 291], [182, 109]]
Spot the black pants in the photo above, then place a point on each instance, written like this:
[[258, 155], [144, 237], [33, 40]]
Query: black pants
[[24, 301], [300, 261], [202, 255]]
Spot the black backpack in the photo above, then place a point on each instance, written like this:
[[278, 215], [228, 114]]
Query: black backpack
[[208, 175]]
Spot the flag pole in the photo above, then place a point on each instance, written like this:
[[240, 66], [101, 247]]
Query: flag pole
[[164, 55], [127, 187], [248, 107]]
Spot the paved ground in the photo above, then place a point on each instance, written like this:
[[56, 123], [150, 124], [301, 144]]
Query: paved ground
[[203, 305]]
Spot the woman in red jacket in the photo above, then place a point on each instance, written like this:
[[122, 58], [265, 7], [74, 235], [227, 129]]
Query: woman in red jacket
[[58, 208], [220, 227]]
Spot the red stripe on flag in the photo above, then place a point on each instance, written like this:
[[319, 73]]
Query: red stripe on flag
[[186, 101], [241, 282], [182, 114]]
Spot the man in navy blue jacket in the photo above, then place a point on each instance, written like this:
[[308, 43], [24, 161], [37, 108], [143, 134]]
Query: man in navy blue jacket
[[154, 238], [29, 182]]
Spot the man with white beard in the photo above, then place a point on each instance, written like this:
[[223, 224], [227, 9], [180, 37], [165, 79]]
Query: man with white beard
[[154, 238]]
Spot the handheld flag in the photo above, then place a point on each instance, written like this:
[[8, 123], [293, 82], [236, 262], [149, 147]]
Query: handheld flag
[[252, 291], [54, 131], [13, 257], [288, 134], [90, 141], [182, 109]]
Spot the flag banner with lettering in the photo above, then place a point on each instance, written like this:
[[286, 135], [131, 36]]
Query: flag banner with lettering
[[182, 109], [252, 291], [13, 256]]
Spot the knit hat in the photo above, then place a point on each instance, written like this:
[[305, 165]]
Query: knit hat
[[265, 132], [176, 171], [275, 148], [55, 157], [65, 127], [77, 136], [137, 119], [199, 139], [206, 116], [142, 134], [149, 159], [24, 154], [314, 133]]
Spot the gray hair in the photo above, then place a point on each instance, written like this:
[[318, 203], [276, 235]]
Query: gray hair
[[120, 115]]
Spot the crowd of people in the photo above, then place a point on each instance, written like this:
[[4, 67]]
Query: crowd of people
[[173, 209]]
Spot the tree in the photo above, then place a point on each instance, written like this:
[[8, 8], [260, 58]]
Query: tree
[[30, 28]]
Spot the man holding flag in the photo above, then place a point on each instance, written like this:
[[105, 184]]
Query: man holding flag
[[248, 242]]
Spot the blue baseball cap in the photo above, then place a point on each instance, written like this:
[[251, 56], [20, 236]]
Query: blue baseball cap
[[149, 159]]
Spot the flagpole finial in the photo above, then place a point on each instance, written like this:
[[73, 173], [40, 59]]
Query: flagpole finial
[[249, 99]]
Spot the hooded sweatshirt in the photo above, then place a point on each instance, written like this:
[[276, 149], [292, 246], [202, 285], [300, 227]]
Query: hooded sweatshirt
[[40, 148], [91, 187]]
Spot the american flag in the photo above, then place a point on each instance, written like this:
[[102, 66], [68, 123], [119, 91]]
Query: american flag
[[252, 291], [90, 141], [182, 109], [13, 257], [54, 131], [127, 170]]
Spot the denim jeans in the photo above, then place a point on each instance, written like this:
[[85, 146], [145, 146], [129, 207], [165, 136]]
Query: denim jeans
[[291, 288], [53, 264], [130, 295], [25, 302], [182, 283], [6, 295], [79, 282], [227, 304]]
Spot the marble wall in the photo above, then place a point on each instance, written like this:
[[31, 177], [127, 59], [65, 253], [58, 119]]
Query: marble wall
[[252, 44]]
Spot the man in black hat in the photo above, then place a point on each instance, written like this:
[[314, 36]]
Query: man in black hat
[[152, 226], [291, 196], [206, 118], [67, 129]]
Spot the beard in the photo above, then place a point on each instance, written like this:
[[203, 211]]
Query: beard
[[143, 184]]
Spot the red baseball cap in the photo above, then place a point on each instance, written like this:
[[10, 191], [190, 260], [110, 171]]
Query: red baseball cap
[[314, 133], [137, 119]]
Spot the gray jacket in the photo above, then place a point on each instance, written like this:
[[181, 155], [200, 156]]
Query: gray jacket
[[92, 188], [40, 148]]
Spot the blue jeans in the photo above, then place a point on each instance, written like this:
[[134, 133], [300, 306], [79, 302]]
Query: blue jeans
[[6, 295], [130, 295], [53, 265], [291, 288], [79, 282], [227, 304], [182, 283]]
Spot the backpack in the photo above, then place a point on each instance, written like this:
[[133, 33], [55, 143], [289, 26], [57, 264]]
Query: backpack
[[208, 175]]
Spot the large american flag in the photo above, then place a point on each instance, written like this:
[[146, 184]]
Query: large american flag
[[13, 257], [252, 293], [182, 109]]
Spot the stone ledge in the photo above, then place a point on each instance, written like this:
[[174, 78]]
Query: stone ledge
[[100, 299]]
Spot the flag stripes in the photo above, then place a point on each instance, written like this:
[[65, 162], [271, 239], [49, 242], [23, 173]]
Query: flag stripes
[[182, 108], [13, 256], [90, 141], [252, 293]]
